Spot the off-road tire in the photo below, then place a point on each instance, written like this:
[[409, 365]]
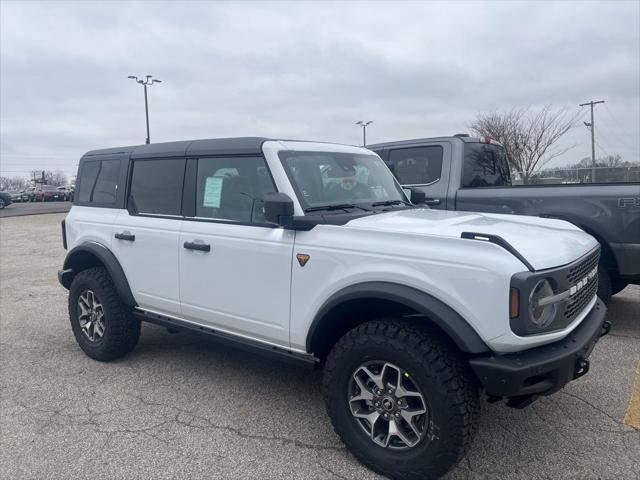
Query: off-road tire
[[122, 329], [449, 386], [604, 285]]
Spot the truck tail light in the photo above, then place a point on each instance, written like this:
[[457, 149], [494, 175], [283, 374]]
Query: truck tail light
[[485, 139], [514, 303]]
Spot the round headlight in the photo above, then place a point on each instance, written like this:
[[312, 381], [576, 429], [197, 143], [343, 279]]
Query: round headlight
[[541, 316]]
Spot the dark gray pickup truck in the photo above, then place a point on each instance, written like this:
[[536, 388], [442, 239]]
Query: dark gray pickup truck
[[472, 174]]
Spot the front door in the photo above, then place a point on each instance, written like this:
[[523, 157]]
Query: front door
[[425, 168], [235, 271]]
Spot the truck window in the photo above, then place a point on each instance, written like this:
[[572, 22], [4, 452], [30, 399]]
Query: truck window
[[156, 186], [485, 165], [416, 165]]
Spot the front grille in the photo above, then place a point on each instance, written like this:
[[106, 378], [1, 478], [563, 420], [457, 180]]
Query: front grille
[[579, 271], [581, 299]]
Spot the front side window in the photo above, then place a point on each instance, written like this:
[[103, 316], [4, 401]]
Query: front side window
[[232, 188], [156, 186], [485, 165], [417, 165], [328, 178]]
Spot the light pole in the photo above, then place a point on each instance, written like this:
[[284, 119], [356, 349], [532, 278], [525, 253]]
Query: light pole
[[148, 81], [592, 127], [364, 126]]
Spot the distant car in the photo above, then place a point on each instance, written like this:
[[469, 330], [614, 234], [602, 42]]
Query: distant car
[[67, 193], [5, 199], [47, 193], [16, 195], [27, 195]]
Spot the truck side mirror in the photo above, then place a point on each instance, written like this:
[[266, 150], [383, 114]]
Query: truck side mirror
[[417, 196], [278, 209]]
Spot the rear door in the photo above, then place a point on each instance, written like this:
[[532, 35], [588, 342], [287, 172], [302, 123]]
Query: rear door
[[425, 167], [485, 184], [235, 270], [145, 236]]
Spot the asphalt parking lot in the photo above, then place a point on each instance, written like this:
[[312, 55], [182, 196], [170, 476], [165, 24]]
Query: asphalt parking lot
[[181, 406], [34, 208]]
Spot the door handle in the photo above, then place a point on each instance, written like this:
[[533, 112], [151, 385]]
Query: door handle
[[125, 236], [202, 247], [432, 201]]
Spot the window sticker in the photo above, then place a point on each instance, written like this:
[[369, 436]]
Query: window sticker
[[212, 192]]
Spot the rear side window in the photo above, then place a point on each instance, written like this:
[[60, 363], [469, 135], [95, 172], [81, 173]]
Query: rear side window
[[417, 165], [88, 175], [106, 185], [99, 182], [156, 186], [485, 166]]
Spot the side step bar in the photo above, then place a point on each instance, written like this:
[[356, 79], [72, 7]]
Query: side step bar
[[226, 338]]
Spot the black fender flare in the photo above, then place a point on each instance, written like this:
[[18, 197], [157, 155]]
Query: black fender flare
[[442, 315], [80, 257]]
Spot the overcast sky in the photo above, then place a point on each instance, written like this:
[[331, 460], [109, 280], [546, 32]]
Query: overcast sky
[[306, 71]]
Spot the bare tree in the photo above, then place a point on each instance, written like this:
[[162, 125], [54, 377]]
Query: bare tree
[[13, 183], [57, 178], [530, 137]]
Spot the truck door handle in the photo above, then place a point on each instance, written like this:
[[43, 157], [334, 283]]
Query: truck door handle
[[202, 247], [125, 236], [432, 201]]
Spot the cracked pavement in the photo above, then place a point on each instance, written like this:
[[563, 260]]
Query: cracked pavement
[[183, 406]]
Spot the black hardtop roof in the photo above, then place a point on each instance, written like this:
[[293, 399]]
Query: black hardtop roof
[[211, 146], [424, 140]]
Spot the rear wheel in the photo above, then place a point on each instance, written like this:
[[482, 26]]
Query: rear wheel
[[2, 204], [401, 399], [102, 324]]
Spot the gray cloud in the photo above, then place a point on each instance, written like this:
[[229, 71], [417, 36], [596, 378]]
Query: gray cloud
[[306, 70]]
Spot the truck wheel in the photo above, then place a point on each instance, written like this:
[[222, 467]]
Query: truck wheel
[[103, 325], [1, 204], [617, 284], [604, 285], [402, 400]]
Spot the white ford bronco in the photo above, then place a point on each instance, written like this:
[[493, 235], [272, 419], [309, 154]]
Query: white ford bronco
[[313, 251]]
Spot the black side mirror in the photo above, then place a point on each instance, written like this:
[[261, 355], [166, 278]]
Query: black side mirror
[[417, 196], [278, 209]]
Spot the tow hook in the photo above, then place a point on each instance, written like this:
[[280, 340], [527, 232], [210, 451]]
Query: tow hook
[[606, 328], [582, 367]]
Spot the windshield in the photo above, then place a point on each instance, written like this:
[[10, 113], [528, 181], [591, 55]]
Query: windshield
[[330, 179]]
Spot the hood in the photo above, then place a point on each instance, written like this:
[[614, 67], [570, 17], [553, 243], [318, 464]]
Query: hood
[[543, 242]]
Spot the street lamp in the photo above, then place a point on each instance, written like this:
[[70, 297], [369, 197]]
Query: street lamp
[[148, 81], [364, 126]]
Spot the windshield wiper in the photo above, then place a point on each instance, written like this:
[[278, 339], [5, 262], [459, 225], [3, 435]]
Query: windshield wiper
[[342, 206], [388, 203]]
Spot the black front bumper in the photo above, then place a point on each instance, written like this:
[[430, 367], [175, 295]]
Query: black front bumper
[[542, 370]]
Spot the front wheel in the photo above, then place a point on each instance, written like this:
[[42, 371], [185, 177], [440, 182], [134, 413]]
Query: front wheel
[[2, 204], [401, 399]]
